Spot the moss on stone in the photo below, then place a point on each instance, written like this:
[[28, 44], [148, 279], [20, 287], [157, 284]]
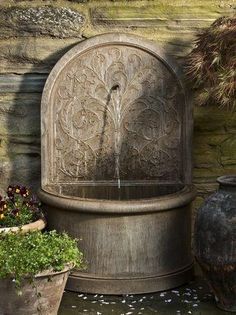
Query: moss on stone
[[40, 21]]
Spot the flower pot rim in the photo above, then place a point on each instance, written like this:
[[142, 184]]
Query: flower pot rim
[[227, 180], [33, 226], [44, 273], [51, 272]]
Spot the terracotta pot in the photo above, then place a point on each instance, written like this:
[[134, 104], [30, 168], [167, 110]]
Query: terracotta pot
[[42, 296], [215, 242], [34, 226]]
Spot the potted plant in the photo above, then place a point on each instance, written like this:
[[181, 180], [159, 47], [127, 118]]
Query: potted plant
[[33, 271], [20, 211], [211, 67]]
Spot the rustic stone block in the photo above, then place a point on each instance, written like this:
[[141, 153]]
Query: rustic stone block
[[211, 118], [12, 145], [27, 83], [20, 114], [16, 21], [198, 201], [32, 54], [167, 15], [207, 149], [211, 174], [206, 188], [20, 169], [228, 151]]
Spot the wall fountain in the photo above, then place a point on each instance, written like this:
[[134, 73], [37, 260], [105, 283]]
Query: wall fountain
[[116, 164]]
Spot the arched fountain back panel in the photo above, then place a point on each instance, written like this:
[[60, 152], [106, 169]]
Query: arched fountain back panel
[[116, 128]]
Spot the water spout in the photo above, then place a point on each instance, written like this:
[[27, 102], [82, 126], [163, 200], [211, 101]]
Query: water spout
[[117, 109]]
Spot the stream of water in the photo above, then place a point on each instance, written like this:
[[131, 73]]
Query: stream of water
[[117, 111]]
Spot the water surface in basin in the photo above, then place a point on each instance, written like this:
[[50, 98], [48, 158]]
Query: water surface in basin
[[113, 192]]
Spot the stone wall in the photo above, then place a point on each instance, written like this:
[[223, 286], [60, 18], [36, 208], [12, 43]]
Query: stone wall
[[35, 34]]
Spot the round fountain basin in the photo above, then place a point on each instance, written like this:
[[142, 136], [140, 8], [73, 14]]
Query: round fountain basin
[[132, 245], [116, 126]]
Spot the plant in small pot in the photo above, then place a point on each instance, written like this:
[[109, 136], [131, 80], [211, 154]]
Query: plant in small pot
[[33, 271], [211, 68], [20, 211]]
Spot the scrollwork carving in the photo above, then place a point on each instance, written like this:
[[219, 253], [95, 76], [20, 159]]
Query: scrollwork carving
[[117, 104]]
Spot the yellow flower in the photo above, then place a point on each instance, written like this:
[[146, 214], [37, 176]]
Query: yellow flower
[[1, 216], [17, 190]]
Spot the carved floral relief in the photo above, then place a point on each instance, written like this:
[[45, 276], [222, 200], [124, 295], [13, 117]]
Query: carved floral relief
[[117, 113]]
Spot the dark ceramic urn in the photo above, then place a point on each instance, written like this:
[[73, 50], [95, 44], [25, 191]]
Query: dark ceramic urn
[[215, 242]]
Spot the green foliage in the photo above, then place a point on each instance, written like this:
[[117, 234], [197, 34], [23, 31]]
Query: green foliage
[[19, 207], [26, 255], [211, 66]]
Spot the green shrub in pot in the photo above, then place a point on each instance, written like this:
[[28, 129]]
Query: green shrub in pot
[[33, 271]]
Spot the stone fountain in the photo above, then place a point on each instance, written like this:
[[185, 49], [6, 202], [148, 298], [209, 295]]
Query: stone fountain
[[116, 164]]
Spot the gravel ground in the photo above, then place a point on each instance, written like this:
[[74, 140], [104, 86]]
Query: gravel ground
[[194, 298]]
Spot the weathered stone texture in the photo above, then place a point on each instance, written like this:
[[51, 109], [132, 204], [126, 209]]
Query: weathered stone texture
[[35, 34], [20, 168], [164, 15], [32, 54], [38, 21], [214, 143], [27, 83], [20, 115]]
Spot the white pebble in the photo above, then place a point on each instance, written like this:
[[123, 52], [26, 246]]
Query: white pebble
[[73, 306], [188, 294]]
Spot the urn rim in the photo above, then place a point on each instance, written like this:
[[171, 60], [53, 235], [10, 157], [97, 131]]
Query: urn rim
[[227, 180]]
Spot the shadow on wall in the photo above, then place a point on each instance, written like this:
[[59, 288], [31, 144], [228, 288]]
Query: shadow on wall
[[23, 122], [23, 146]]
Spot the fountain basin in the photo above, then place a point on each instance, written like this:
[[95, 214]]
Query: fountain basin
[[131, 246], [116, 128]]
